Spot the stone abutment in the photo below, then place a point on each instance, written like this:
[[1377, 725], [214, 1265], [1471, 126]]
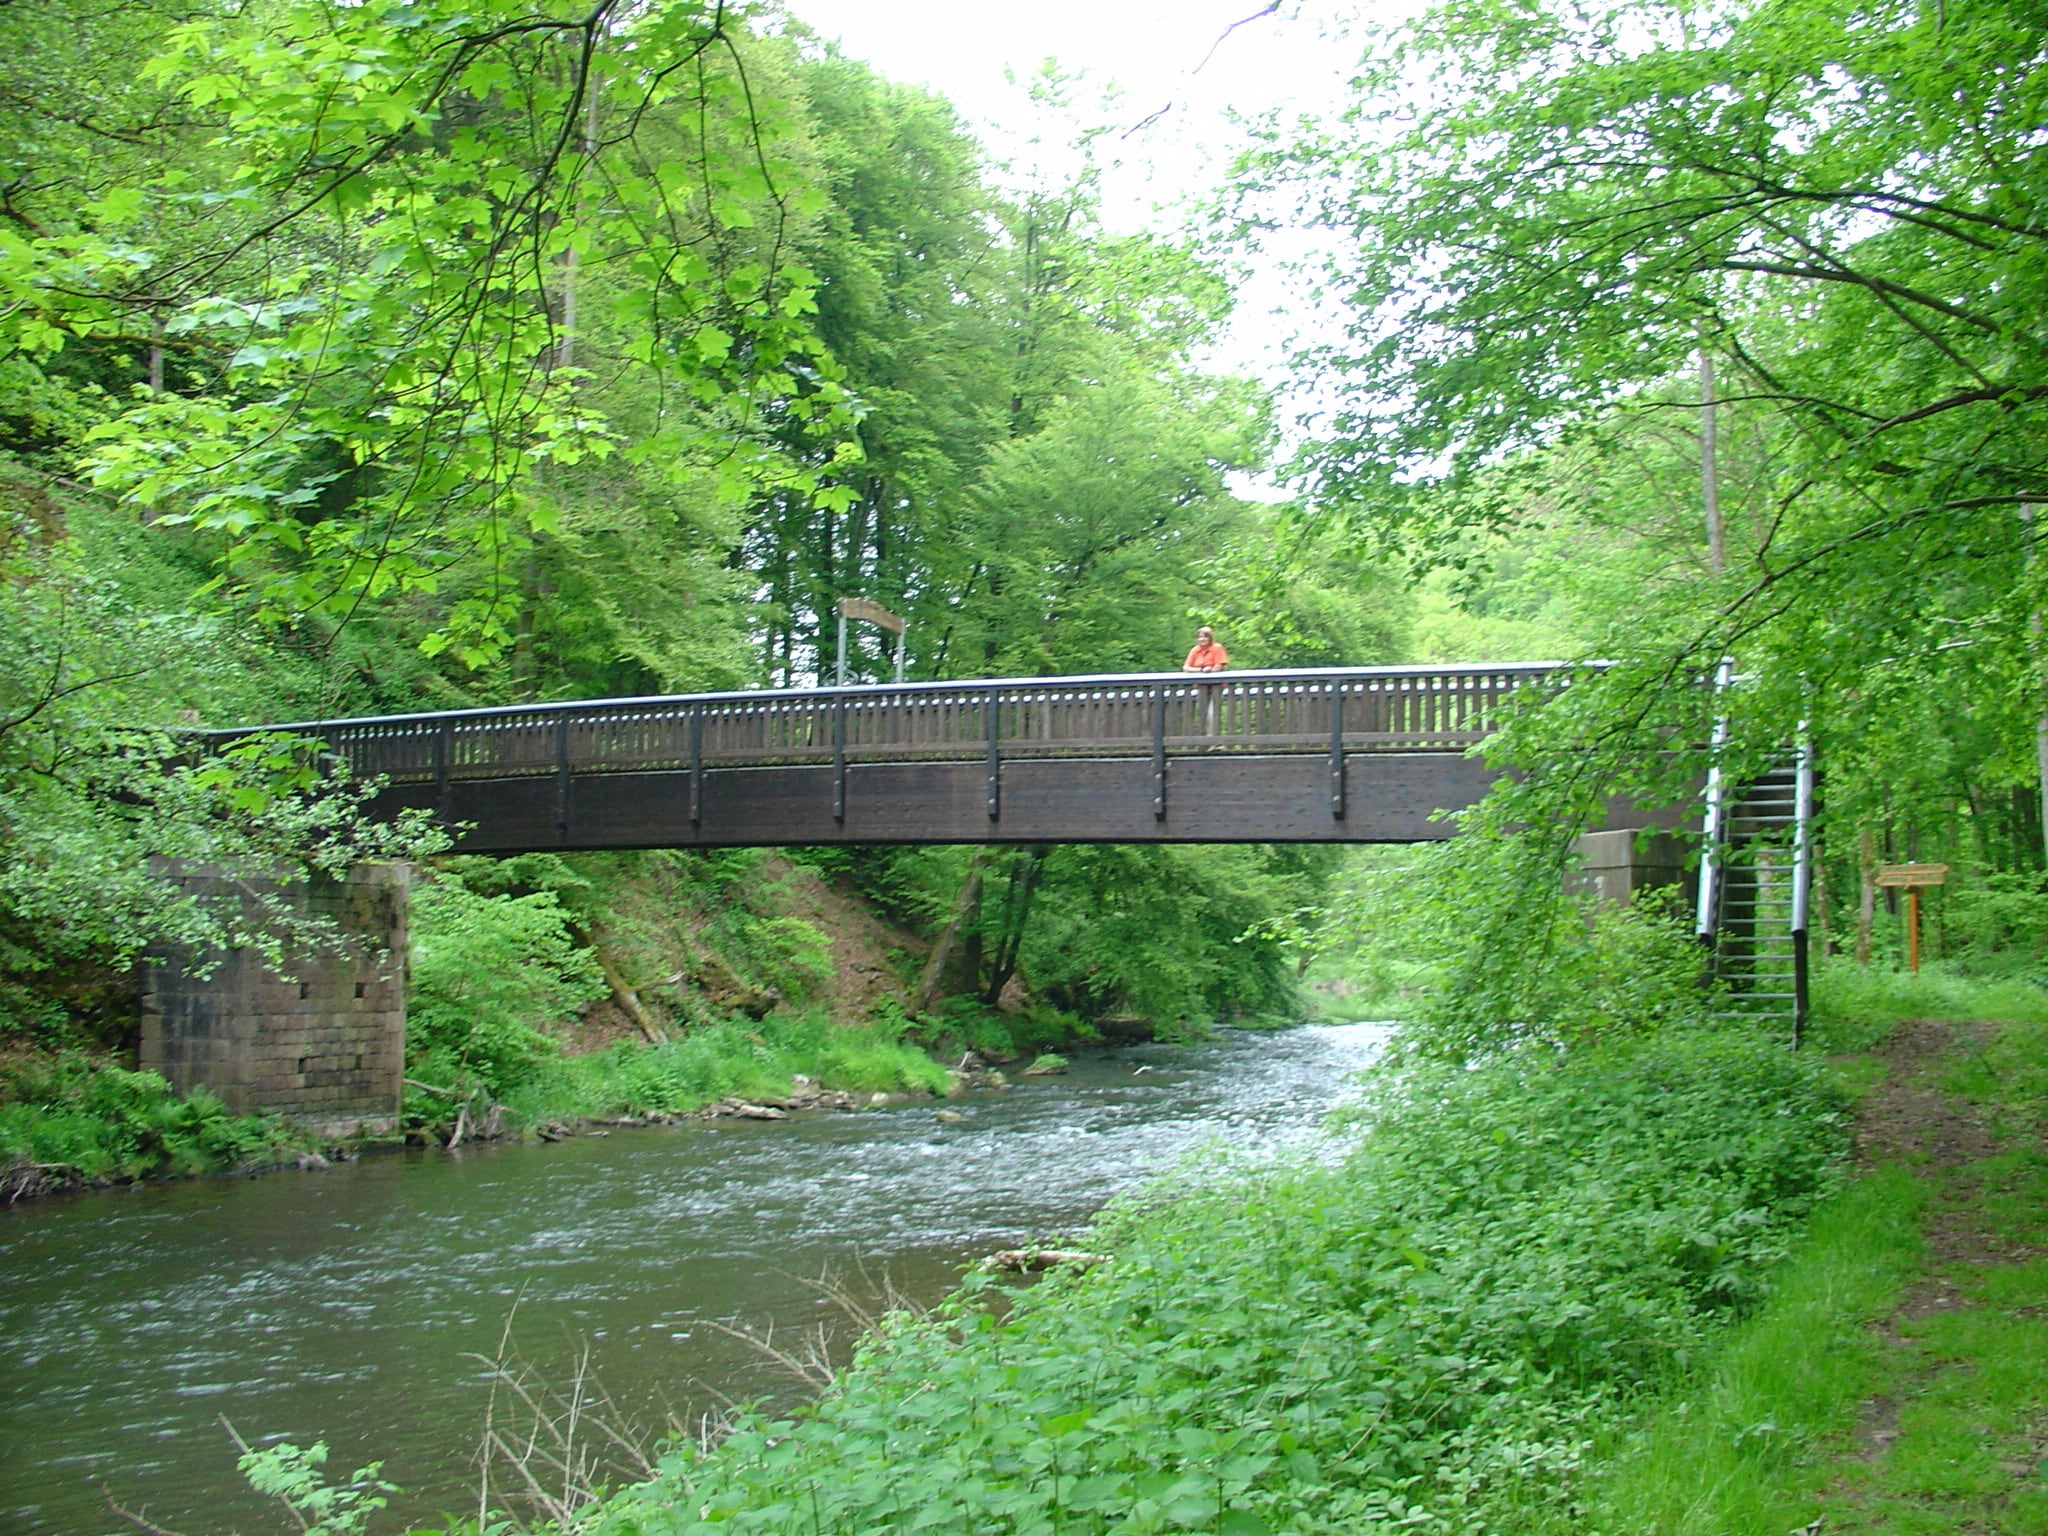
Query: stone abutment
[[323, 1038]]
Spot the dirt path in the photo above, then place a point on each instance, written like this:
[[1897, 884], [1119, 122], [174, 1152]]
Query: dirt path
[[1955, 1442]]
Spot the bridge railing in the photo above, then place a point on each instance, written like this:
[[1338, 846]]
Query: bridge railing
[[1361, 709]]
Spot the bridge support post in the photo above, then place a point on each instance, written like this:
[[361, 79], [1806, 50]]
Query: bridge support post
[[1337, 751], [323, 1042], [992, 709]]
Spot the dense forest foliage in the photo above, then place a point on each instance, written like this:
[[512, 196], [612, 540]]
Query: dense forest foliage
[[1674, 334], [415, 355]]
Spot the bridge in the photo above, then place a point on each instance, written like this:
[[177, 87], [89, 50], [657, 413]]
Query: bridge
[[1323, 755], [1336, 755]]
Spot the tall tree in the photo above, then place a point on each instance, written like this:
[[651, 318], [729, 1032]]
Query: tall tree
[[363, 230]]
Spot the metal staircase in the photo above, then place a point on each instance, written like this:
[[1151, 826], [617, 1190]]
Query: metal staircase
[[1755, 875]]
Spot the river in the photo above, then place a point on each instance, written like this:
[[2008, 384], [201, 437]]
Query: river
[[348, 1305]]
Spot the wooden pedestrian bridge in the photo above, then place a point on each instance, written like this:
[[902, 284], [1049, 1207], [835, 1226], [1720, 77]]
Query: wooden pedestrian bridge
[[1322, 755], [1347, 754]]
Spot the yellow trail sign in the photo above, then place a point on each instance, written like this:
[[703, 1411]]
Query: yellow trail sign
[[1906, 876]]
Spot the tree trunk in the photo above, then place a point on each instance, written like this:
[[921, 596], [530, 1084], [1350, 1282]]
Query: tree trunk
[[964, 905], [628, 1000], [1010, 943], [1866, 909], [525, 683]]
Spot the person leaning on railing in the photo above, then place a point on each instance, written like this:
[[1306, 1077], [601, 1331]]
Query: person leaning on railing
[[1207, 656]]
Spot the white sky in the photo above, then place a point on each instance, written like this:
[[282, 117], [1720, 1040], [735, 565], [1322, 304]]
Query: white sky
[[1172, 60]]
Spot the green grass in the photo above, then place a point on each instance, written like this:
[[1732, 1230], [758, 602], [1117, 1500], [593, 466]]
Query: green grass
[[733, 1060], [1956, 1426], [1854, 1006]]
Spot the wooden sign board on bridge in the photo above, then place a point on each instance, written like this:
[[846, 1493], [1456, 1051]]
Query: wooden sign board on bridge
[[871, 613], [1912, 879], [874, 613]]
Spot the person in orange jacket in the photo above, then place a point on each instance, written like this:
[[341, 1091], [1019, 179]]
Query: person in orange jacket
[[1207, 656]]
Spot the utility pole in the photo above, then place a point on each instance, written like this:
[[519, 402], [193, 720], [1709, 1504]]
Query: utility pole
[[1710, 474], [1704, 909]]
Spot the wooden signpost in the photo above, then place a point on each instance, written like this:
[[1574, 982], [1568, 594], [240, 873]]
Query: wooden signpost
[[872, 613], [1912, 879]]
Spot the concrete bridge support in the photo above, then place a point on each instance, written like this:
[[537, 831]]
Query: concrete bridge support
[[323, 1042], [1620, 865]]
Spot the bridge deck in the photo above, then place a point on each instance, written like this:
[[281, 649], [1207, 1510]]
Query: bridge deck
[[1358, 754]]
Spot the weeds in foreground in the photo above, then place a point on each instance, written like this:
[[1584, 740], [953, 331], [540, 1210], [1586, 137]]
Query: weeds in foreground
[[553, 1446]]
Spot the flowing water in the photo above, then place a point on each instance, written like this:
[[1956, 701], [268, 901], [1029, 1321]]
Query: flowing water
[[349, 1305]]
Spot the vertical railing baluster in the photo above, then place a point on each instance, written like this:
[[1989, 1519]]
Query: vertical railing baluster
[[697, 765], [444, 741], [562, 774]]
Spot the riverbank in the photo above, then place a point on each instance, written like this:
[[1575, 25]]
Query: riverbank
[[77, 1119], [72, 1120], [1427, 1331]]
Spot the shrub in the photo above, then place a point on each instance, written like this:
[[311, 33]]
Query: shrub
[[1505, 956], [717, 1061], [100, 1121], [489, 973], [1996, 922]]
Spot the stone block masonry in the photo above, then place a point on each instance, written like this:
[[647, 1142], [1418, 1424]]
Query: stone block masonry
[[323, 1041], [1618, 866]]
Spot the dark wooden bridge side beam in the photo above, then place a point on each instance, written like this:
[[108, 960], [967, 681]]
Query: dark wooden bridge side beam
[[1224, 798]]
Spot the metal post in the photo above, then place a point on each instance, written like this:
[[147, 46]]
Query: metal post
[[902, 643], [1159, 754], [1710, 831], [992, 710], [1337, 751], [696, 765], [1802, 880], [842, 651], [2034, 629], [444, 750]]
